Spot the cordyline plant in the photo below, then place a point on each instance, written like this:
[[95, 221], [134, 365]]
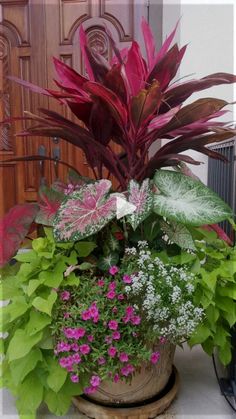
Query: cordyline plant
[[133, 102]]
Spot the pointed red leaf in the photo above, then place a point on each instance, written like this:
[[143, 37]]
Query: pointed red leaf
[[111, 100], [69, 77], [50, 201], [145, 104], [14, 227], [166, 44], [135, 69], [115, 82], [149, 43], [83, 44], [220, 233]]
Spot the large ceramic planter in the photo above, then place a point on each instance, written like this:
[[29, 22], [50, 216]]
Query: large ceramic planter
[[150, 392], [146, 383]]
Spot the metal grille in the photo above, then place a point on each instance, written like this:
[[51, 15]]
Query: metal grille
[[222, 178]]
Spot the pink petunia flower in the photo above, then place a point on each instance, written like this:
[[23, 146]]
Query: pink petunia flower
[[116, 335], [95, 381], [112, 286], [101, 360], [113, 325], [90, 390], [66, 315], [124, 357], [162, 340], [74, 378], [111, 295], [108, 339], [84, 349], [100, 283], [113, 270], [115, 310], [121, 297], [68, 332], [76, 358], [129, 311], [112, 351], [136, 320], [116, 378], [63, 347], [86, 315], [75, 347], [93, 310], [127, 370], [90, 338], [79, 332], [65, 295], [155, 356], [127, 279], [95, 319]]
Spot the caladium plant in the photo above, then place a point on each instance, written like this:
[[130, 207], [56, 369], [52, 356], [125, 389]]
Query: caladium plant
[[131, 101]]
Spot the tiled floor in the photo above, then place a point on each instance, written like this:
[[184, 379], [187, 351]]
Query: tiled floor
[[199, 396]]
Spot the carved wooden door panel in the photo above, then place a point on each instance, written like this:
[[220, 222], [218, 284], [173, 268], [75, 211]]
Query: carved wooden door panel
[[31, 33]]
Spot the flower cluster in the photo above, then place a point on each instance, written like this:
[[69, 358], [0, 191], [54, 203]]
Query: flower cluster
[[163, 293], [98, 333]]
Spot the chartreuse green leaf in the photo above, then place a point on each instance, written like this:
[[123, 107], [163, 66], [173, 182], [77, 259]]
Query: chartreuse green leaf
[[9, 288], [21, 344], [37, 322], [45, 305], [201, 333], [58, 403], [225, 353], [30, 394], [72, 279], [186, 200], [55, 277], [33, 285], [17, 307], [20, 370], [220, 336], [57, 375], [27, 256]]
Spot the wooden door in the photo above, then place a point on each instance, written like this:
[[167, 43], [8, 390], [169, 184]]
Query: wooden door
[[31, 33]]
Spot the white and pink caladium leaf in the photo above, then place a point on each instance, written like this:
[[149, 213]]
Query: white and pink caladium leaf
[[85, 212], [142, 197]]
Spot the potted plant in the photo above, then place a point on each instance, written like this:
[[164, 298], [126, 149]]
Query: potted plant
[[119, 275]]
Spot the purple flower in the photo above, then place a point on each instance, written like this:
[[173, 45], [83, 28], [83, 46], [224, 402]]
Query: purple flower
[[101, 360], [113, 325], [123, 357], [101, 283], [85, 315], [116, 335], [84, 349], [95, 381], [127, 279], [113, 270], [79, 332], [111, 295], [65, 295], [74, 347], [112, 351], [116, 378], [74, 378], [127, 370], [76, 358], [108, 339], [63, 347], [155, 356], [90, 390], [112, 286], [68, 332], [136, 320]]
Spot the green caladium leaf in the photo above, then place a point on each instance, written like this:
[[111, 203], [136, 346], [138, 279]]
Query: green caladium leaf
[[21, 343], [21, 369], [185, 200], [104, 263], [178, 234], [45, 305], [37, 322], [30, 394], [57, 375], [142, 197]]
